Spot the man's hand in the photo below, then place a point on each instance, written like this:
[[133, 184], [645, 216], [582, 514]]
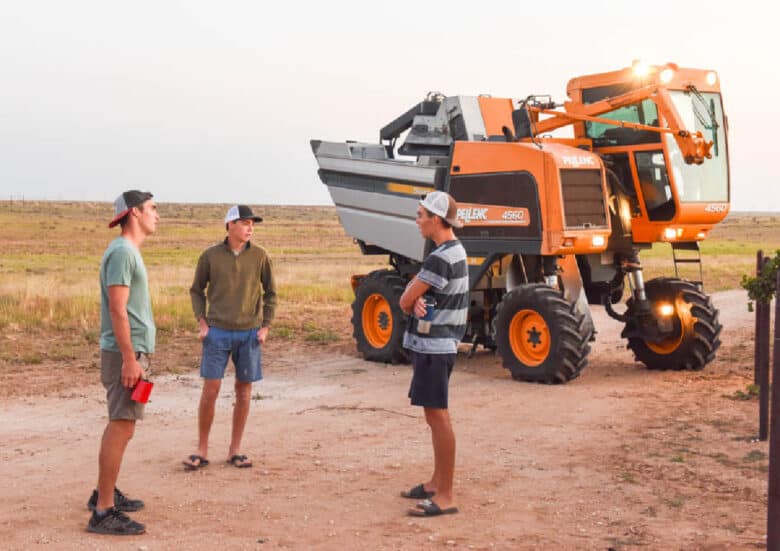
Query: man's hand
[[262, 334], [131, 373], [419, 307], [203, 329]]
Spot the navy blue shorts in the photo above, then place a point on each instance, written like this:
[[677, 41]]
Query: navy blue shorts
[[222, 344], [431, 379]]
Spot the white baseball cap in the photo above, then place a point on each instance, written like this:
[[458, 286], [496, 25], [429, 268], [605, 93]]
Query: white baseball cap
[[443, 205], [241, 212]]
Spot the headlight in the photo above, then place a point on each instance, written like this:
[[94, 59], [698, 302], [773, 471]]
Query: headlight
[[598, 241], [665, 309], [640, 69], [670, 234]]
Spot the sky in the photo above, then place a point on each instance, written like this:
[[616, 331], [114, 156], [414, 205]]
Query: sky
[[217, 101]]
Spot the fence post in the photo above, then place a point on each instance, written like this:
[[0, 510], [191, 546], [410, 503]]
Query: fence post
[[773, 495], [763, 315], [757, 348]]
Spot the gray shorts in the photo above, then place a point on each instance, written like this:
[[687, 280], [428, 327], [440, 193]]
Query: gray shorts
[[120, 406]]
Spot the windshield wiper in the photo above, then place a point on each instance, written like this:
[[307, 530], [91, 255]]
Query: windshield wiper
[[710, 112]]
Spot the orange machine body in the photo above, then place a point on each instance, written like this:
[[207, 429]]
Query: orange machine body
[[570, 200]]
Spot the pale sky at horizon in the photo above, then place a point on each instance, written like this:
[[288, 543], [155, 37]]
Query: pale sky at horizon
[[216, 102]]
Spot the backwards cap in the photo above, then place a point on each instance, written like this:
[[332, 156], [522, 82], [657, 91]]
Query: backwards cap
[[127, 201]]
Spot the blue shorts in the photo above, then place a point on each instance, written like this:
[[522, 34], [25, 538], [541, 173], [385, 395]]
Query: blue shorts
[[222, 344]]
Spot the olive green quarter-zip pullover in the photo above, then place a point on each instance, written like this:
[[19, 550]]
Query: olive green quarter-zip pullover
[[232, 291]]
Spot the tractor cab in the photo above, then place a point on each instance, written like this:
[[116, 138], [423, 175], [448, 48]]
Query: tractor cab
[[662, 195]]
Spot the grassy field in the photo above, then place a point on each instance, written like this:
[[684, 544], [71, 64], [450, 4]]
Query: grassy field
[[50, 254]]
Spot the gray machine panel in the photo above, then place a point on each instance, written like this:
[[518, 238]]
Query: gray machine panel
[[472, 117], [391, 170], [390, 225]]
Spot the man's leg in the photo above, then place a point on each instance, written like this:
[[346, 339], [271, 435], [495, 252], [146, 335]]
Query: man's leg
[[247, 357], [240, 415], [112, 449], [443, 439], [208, 400]]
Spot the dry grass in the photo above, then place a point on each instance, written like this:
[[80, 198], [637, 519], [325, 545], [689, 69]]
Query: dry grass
[[50, 254]]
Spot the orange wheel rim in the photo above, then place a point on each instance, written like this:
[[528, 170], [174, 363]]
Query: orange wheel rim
[[673, 342], [529, 337], [377, 320], [666, 346]]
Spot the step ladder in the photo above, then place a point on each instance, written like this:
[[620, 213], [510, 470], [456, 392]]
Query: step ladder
[[687, 252]]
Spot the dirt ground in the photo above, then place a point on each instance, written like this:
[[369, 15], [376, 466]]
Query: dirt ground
[[620, 458]]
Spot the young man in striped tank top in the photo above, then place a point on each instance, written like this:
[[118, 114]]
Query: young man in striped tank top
[[433, 342]]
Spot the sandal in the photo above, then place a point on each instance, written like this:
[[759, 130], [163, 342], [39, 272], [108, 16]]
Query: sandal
[[240, 461], [429, 508], [418, 492], [195, 462]]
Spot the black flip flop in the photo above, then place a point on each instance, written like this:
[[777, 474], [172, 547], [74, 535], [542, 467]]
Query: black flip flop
[[240, 461], [429, 508], [418, 492], [192, 465]]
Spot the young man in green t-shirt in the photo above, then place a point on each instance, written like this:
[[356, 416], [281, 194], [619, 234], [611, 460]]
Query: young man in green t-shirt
[[127, 337]]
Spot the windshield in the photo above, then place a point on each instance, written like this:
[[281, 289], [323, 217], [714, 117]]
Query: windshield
[[709, 181], [644, 112]]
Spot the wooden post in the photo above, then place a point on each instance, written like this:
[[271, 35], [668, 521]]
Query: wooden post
[[773, 495], [757, 348], [763, 313]]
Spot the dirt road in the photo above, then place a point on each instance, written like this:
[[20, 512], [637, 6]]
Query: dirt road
[[620, 458]]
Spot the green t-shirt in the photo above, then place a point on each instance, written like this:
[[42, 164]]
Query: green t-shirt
[[122, 265]]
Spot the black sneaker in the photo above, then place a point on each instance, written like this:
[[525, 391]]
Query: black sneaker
[[121, 502], [114, 523]]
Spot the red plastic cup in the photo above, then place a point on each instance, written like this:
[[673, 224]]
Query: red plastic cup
[[142, 390]]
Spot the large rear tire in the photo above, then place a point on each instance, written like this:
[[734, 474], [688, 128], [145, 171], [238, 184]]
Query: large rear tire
[[696, 337], [540, 336], [377, 319]]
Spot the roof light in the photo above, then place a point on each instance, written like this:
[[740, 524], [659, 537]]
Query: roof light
[[666, 75], [640, 69], [711, 78]]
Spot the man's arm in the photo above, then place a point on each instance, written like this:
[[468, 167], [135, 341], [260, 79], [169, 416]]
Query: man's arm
[[412, 298], [117, 308], [198, 295], [269, 299]]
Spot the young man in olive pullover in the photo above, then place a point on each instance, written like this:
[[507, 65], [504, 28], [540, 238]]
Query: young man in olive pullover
[[234, 299]]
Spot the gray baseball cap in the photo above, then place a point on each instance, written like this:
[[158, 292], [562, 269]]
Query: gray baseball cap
[[126, 201]]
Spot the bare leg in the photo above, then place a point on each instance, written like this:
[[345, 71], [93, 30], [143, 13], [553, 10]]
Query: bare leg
[[208, 400], [112, 449], [240, 415], [443, 439]]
